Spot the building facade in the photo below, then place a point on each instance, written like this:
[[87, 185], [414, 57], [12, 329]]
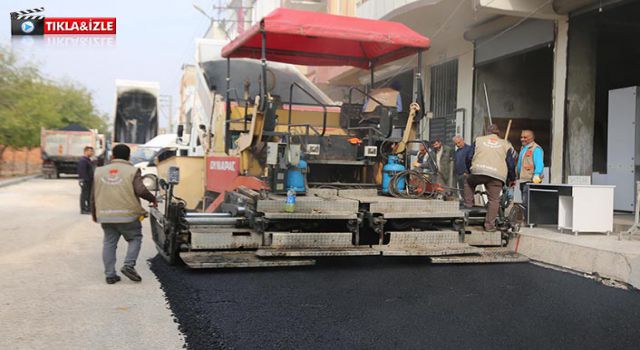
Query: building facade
[[545, 65]]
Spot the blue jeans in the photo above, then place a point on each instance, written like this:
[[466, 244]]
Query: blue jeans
[[132, 233]]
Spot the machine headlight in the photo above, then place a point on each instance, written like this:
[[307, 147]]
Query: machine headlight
[[150, 181]]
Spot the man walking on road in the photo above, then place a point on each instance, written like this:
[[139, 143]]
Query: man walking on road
[[85, 177], [492, 165], [116, 206]]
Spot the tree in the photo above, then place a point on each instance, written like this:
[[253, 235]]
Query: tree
[[29, 101], [13, 80]]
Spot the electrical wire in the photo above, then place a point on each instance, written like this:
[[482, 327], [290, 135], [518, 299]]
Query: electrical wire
[[402, 68], [439, 30], [495, 36]]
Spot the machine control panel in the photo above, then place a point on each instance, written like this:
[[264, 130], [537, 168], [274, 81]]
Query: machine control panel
[[272, 153], [370, 151], [313, 149], [173, 175]]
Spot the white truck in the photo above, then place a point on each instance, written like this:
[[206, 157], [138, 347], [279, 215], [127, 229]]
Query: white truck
[[135, 112], [144, 155], [61, 149]]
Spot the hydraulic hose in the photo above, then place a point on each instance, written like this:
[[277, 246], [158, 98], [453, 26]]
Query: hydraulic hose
[[417, 185]]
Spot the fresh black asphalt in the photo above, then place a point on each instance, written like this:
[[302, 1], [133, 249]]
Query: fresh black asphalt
[[398, 303]]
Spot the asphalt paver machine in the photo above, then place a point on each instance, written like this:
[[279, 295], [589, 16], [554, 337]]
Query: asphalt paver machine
[[332, 160]]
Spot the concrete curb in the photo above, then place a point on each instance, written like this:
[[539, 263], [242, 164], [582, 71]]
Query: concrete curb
[[17, 180], [604, 256]]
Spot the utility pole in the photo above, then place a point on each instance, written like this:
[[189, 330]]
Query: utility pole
[[166, 108]]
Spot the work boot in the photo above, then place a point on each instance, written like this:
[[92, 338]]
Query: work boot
[[490, 229], [131, 273], [113, 279]]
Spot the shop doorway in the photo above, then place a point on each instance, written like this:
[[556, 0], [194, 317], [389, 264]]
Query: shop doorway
[[519, 88], [616, 32]]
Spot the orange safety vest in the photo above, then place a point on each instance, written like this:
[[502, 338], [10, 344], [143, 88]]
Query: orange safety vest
[[527, 165]]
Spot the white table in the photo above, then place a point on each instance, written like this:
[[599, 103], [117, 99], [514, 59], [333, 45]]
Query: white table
[[582, 208]]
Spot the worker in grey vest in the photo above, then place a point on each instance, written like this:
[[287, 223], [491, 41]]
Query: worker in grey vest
[[492, 165], [117, 188]]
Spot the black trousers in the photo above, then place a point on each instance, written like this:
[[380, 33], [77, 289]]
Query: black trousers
[[525, 196], [85, 196]]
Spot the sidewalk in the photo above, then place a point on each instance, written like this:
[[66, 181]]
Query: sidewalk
[[606, 256], [18, 179]]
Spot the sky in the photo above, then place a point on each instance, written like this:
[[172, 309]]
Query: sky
[[154, 39]]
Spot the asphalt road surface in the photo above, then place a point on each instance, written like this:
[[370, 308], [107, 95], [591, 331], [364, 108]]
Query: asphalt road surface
[[53, 296], [396, 303]]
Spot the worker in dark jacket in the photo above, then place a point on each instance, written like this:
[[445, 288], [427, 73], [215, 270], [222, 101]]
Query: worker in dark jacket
[[492, 165], [443, 157], [462, 161], [421, 157], [116, 206], [437, 160], [85, 177]]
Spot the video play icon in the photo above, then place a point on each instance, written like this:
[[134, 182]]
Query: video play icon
[[25, 23], [27, 27]]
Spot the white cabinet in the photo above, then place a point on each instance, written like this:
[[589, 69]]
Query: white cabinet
[[585, 208]]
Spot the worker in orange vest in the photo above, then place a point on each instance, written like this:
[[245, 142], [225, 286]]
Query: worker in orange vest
[[530, 165], [531, 159]]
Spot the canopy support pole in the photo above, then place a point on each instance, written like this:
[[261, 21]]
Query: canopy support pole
[[418, 79], [372, 71], [419, 95], [263, 101], [227, 134]]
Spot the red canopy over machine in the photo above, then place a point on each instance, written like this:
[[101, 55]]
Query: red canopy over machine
[[319, 39]]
